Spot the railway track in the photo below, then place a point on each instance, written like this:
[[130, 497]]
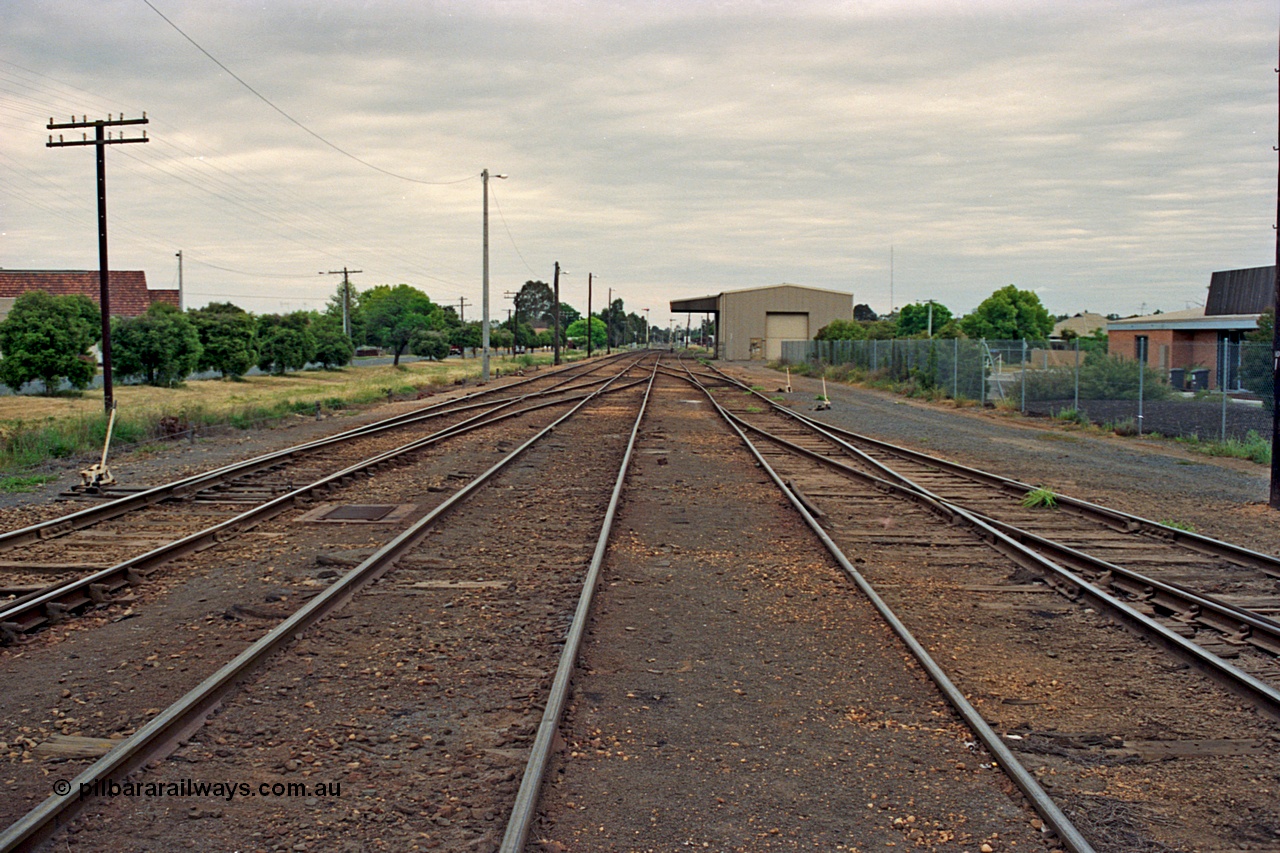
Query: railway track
[[1174, 585], [431, 660], [935, 575], [581, 429], [93, 557]]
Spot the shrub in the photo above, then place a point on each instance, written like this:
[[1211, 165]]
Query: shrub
[[1040, 498]]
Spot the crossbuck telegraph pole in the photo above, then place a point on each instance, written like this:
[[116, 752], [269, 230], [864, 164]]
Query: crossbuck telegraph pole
[[346, 296], [100, 141]]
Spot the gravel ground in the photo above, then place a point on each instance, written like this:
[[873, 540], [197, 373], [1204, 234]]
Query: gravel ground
[[1159, 480], [731, 660], [806, 659], [1201, 418]]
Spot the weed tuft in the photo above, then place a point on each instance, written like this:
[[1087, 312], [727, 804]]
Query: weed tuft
[[1040, 498]]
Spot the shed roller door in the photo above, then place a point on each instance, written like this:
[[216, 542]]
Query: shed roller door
[[783, 327]]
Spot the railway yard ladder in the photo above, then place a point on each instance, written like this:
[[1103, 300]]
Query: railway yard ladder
[[991, 364]]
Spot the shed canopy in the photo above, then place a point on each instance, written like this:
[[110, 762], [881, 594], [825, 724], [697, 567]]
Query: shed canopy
[[696, 305]]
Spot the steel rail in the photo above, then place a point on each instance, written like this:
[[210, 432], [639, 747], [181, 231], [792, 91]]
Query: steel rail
[[164, 732], [1114, 518], [523, 812], [25, 615], [1239, 624], [1263, 695], [196, 482], [1044, 805]]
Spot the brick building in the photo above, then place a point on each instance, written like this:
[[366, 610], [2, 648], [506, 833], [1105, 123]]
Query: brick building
[[1195, 339], [130, 295]]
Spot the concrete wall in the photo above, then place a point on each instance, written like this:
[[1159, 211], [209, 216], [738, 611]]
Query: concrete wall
[[743, 315]]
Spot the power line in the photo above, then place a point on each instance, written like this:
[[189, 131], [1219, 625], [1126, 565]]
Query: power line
[[293, 120], [509, 235]]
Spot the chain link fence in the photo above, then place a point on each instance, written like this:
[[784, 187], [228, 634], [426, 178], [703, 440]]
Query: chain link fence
[[1219, 391]]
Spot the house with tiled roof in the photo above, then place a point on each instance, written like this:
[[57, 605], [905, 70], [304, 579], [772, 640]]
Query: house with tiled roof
[[130, 296]]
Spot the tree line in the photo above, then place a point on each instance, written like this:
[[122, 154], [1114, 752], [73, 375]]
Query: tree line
[[1007, 314], [48, 338]]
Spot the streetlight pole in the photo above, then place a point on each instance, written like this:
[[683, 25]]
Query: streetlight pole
[[484, 295]]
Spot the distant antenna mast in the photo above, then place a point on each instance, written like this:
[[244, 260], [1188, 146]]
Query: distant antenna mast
[[891, 280]]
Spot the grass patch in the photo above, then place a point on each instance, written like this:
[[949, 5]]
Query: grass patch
[[29, 483], [1040, 498], [1178, 525], [35, 429], [754, 410], [1253, 447], [1071, 416]]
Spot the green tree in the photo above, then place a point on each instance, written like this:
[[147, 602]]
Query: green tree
[[535, 303], [568, 314], [577, 333], [393, 315], [333, 348], [842, 330], [355, 315], [431, 344], [466, 336], [48, 338], [914, 319], [162, 346], [1009, 314], [615, 322], [228, 335], [285, 342]]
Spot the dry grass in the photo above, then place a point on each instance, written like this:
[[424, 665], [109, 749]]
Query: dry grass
[[215, 395], [33, 429]]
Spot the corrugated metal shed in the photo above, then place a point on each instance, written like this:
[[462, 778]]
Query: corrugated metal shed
[[751, 323], [1247, 291]]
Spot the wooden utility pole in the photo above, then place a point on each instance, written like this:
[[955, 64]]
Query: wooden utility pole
[[555, 312], [1275, 361], [608, 327], [462, 307], [589, 314], [346, 296], [100, 141], [514, 294]]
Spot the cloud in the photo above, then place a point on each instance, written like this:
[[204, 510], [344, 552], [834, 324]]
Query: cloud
[[1107, 155]]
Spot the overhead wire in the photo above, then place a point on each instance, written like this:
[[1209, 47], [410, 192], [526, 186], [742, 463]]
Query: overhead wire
[[226, 185], [293, 120], [498, 207]]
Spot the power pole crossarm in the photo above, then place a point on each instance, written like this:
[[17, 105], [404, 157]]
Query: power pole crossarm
[[346, 296], [101, 139]]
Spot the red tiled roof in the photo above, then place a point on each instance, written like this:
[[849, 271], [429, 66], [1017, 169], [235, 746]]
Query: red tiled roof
[[129, 294]]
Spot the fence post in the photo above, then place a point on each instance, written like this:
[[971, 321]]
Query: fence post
[[1024, 376], [955, 370], [1222, 384], [1077, 397], [1142, 372], [982, 373]]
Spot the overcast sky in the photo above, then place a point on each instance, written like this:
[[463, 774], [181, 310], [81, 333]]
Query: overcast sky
[[1108, 156]]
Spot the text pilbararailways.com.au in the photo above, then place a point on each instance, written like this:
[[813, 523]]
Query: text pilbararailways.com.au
[[227, 790]]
